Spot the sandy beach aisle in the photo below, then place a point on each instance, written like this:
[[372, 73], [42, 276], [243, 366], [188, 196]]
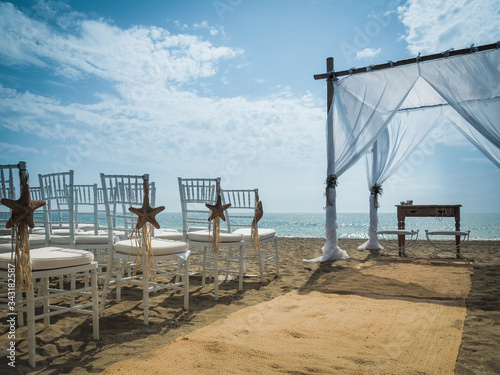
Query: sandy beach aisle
[[66, 347]]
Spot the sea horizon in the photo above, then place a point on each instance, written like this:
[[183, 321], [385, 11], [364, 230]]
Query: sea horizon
[[482, 226]]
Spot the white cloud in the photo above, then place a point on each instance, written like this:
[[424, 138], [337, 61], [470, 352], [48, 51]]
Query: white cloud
[[154, 116], [367, 53], [213, 30], [437, 25], [13, 149], [142, 55], [174, 127]]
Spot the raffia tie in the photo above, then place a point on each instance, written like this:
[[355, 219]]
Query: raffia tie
[[254, 232], [144, 254], [20, 257], [216, 235]]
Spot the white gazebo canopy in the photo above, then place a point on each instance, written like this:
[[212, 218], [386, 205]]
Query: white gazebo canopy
[[384, 111]]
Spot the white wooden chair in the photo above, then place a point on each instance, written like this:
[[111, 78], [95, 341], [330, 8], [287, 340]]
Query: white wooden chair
[[60, 214], [86, 211], [48, 262], [194, 194], [170, 261], [8, 190], [39, 230], [239, 219], [88, 215]]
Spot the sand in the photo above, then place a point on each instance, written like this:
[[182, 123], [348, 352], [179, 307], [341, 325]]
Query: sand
[[359, 283]]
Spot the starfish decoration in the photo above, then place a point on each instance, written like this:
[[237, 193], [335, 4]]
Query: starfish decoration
[[218, 209], [23, 208], [146, 214]]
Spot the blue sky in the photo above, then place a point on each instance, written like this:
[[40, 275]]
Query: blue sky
[[224, 88]]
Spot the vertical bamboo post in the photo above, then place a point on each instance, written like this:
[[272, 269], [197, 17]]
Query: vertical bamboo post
[[329, 100], [329, 83]]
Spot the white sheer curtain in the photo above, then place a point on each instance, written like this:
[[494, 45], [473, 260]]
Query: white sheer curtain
[[392, 148], [482, 143], [362, 107], [471, 85]]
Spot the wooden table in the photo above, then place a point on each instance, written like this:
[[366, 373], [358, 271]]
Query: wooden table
[[432, 210]]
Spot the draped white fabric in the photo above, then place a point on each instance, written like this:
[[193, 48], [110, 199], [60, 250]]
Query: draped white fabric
[[390, 150], [361, 109], [482, 143], [365, 104], [471, 85]]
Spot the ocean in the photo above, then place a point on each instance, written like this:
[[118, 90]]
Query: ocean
[[351, 225]]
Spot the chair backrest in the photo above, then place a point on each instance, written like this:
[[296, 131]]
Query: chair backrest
[[120, 192], [36, 194], [194, 194], [242, 209], [86, 206], [59, 213], [7, 190]]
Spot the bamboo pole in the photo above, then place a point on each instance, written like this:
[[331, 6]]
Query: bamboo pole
[[412, 60]]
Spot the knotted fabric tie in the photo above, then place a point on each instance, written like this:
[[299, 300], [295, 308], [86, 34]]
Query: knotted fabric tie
[[376, 190], [331, 183]]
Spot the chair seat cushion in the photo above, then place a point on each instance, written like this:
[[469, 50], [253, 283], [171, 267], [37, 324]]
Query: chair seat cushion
[[159, 247], [5, 248], [264, 233], [5, 238], [206, 236], [86, 226], [196, 229], [169, 235], [46, 258], [64, 232], [84, 239], [35, 240]]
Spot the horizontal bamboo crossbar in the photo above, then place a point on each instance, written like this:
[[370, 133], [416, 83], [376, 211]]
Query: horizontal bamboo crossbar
[[333, 74]]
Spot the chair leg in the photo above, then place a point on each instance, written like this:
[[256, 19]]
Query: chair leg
[[30, 307], [95, 304], [261, 266], [186, 284], [242, 268], [73, 287], [216, 274], [276, 257], [145, 297], [105, 288], [44, 289], [119, 282], [204, 266], [19, 302]]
